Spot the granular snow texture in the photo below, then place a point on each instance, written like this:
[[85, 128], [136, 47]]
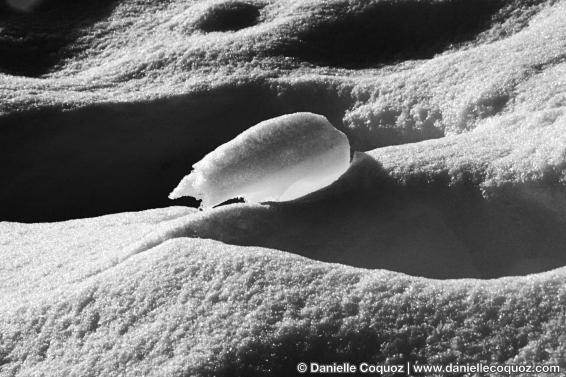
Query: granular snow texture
[[195, 307], [91, 91], [460, 106]]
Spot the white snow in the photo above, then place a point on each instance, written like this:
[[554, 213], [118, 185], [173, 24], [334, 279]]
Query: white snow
[[278, 159], [198, 307], [132, 95]]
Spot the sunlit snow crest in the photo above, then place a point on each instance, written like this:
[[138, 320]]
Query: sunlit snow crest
[[282, 158]]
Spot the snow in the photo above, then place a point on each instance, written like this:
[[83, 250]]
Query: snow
[[174, 102], [201, 307], [443, 242], [499, 108], [278, 159]]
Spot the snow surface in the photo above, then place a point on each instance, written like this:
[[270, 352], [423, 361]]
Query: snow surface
[[460, 107], [152, 72], [278, 159], [199, 307]]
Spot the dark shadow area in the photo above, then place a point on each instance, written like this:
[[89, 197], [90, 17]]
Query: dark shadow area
[[388, 31], [110, 158], [432, 230], [230, 201], [32, 43], [228, 16], [323, 346]]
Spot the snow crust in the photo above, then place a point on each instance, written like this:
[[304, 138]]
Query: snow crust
[[464, 174], [118, 65], [278, 159], [201, 307]]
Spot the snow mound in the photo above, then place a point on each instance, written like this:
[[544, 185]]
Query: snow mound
[[194, 307], [176, 79], [460, 108], [282, 158]]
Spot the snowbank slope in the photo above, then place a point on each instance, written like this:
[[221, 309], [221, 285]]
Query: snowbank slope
[[201, 307]]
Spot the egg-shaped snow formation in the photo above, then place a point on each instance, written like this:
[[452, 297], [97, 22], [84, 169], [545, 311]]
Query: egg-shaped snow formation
[[282, 158]]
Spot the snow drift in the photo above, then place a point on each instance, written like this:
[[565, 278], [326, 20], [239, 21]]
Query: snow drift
[[104, 105], [194, 307]]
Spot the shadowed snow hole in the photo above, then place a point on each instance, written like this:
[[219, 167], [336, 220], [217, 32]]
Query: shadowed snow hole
[[110, 158], [388, 31], [33, 42], [432, 230], [228, 16], [115, 157]]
